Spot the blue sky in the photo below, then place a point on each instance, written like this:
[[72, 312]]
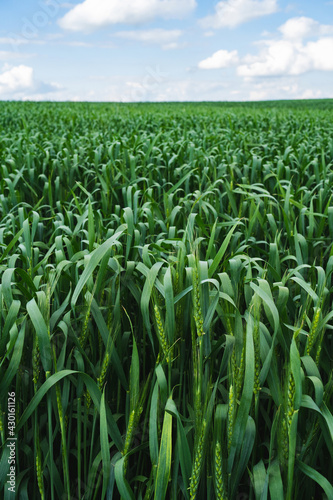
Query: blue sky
[[166, 50]]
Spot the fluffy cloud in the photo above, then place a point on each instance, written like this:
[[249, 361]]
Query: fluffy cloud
[[18, 82], [319, 54], [220, 59], [16, 79], [299, 28], [93, 14], [166, 38], [231, 13], [291, 55]]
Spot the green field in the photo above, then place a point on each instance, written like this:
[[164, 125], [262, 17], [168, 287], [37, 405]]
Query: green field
[[166, 300]]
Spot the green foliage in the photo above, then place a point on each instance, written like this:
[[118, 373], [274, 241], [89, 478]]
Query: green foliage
[[166, 300]]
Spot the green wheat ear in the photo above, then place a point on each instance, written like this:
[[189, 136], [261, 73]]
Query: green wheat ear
[[105, 365], [219, 483], [197, 313], [39, 471], [198, 463], [161, 333], [231, 415], [313, 331]]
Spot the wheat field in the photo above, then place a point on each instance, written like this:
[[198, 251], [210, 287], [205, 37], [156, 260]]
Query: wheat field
[[166, 300]]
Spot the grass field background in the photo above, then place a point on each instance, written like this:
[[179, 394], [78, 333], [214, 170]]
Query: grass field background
[[166, 300]]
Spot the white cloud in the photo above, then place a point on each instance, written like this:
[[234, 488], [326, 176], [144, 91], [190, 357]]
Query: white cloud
[[298, 28], [231, 13], [283, 57], [94, 14], [220, 59], [290, 54], [16, 79], [320, 54], [166, 38], [18, 82]]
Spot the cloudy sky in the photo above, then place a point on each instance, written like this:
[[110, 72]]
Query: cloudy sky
[[166, 50]]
